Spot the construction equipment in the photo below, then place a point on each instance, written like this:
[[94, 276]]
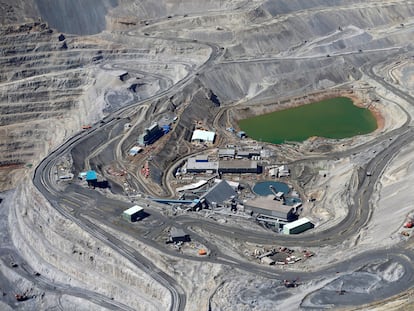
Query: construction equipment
[[22, 297], [405, 233], [410, 223], [291, 283], [145, 170]]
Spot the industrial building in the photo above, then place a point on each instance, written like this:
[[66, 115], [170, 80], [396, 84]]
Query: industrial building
[[150, 135], [226, 153], [202, 136], [201, 158], [281, 171], [193, 186], [284, 171], [248, 154], [268, 206], [298, 226], [238, 167], [195, 165], [133, 213], [178, 235], [201, 164], [219, 193]]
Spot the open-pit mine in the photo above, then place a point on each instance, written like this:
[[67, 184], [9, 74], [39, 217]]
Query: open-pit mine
[[127, 182]]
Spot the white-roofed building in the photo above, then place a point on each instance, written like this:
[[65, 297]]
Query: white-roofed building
[[193, 186], [135, 150], [284, 171], [226, 153], [194, 166], [298, 226], [133, 213], [203, 136]]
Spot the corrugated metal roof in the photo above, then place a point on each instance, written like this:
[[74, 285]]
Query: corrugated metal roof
[[235, 164], [297, 223], [193, 164], [243, 153], [226, 152], [192, 186], [132, 210], [153, 127], [203, 135]]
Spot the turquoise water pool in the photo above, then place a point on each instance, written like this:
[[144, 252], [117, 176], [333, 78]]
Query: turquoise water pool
[[263, 189]]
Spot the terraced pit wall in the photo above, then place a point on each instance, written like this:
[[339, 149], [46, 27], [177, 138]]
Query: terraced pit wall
[[63, 252]]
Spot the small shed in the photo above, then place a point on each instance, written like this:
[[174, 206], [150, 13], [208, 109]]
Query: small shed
[[241, 134], [135, 150], [273, 171], [133, 213], [267, 261], [284, 171]]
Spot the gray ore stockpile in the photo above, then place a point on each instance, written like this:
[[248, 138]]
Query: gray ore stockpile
[[76, 16]]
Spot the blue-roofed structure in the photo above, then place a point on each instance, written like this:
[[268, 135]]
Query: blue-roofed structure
[[91, 176], [166, 129]]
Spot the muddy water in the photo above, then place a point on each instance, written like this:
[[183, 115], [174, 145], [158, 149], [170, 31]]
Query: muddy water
[[331, 118]]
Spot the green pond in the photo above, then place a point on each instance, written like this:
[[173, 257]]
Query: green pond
[[330, 118]]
